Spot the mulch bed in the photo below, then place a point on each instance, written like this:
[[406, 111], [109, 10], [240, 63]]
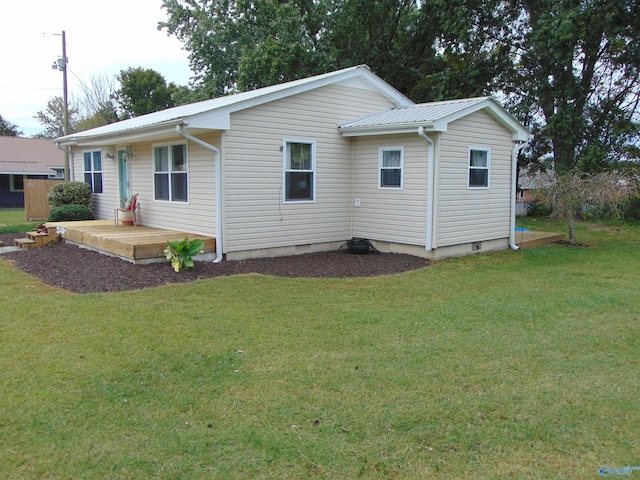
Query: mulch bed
[[84, 271]]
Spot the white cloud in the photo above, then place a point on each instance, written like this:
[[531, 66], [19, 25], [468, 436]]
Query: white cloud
[[102, 39]]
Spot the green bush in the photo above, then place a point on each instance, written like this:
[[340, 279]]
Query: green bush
[[632, 210], [536, 208], [70, 193], [67, 213]]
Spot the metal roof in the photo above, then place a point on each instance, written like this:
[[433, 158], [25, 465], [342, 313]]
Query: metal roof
[[239, 101], [29, 156], [419, 114], [433, 116]]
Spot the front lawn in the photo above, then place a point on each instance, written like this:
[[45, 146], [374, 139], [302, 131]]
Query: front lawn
[[13, 220], [502, 365]]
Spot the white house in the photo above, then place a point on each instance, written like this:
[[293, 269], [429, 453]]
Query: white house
[[305, 165]]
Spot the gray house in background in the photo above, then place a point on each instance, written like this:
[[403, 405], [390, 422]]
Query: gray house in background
[[305, 165], [26, 158]]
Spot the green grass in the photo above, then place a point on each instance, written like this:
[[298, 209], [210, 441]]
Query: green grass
[[13, 220], [502, 365]]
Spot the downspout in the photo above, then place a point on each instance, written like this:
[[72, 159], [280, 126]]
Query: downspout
[[431, 162], [216, 151], [514, 186], [68, 161]]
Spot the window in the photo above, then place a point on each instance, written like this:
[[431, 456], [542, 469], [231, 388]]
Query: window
[[299, 171], [479, 168], [16, 183], [93, 170], [170, 182], [391, 163]]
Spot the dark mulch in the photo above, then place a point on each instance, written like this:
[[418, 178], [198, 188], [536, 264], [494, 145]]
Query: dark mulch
[[84, 271]]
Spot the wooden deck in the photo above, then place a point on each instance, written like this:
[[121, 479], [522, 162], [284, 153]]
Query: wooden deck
[[137, 244], [533, 239]]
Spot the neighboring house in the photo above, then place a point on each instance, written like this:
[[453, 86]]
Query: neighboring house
[[26, 158], [305, 165]]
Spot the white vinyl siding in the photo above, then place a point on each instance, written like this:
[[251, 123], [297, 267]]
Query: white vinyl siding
[[197, 216], [256, 216], [390, 214], [464, 214]]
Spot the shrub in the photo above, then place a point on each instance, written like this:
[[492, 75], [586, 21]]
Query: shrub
[[535, 208], [67, 213], [632, 209], [70, 193]]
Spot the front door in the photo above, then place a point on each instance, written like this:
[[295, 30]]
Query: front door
[[123, 177]]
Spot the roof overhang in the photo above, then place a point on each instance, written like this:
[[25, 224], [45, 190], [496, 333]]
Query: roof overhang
[[384, 123], [391, 129]]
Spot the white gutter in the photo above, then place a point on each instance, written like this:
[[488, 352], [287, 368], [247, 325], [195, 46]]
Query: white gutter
[[216, 151], [514, 186], [431, 162]]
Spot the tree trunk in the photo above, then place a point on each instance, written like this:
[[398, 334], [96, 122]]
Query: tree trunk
[[572, 233]]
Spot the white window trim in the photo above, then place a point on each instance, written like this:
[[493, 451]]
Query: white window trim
[[92, 171], [381, 151], [487, 168], [284, 169], [11, 186], [153, 170]]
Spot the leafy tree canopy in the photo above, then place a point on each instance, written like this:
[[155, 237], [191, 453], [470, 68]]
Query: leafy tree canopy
[[8, 129], [143, 91], [569, 69]]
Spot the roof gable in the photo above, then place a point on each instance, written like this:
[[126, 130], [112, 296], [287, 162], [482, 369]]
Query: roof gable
[[434, 117], [215, 113]]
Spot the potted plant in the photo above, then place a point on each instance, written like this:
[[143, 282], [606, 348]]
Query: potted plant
[[127, 212]]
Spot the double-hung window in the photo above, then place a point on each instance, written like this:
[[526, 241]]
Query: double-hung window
[[391, 161], [479, 160], [93, 170], [170, 173], [299, 170]]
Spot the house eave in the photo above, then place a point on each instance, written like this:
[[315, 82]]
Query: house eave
[[386, 129], [122, 137]]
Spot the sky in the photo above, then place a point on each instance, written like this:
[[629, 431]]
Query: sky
[[103, 38]]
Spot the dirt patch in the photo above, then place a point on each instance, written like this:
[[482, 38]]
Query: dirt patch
[[84, 271]]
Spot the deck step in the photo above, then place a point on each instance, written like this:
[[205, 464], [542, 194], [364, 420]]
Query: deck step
[[25, 243], [37, 238]]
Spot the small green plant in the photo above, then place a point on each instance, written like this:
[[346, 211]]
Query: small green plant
[[181, 252], [68, 213], [70, 193]]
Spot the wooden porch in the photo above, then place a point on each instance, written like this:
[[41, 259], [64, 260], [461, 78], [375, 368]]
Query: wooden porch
[[533, 239], [137, 244]]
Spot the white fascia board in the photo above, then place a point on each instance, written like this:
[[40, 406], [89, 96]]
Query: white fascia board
[[122, 138], [385, 129], [498, 113]]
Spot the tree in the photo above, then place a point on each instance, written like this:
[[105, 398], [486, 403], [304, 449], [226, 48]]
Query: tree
[[96, 104], [143, 91], [569, 67], [575, 195], [8, 129], [241, 45], [53, 119]]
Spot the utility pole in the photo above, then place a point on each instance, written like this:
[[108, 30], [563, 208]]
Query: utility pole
[[61, 65]]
